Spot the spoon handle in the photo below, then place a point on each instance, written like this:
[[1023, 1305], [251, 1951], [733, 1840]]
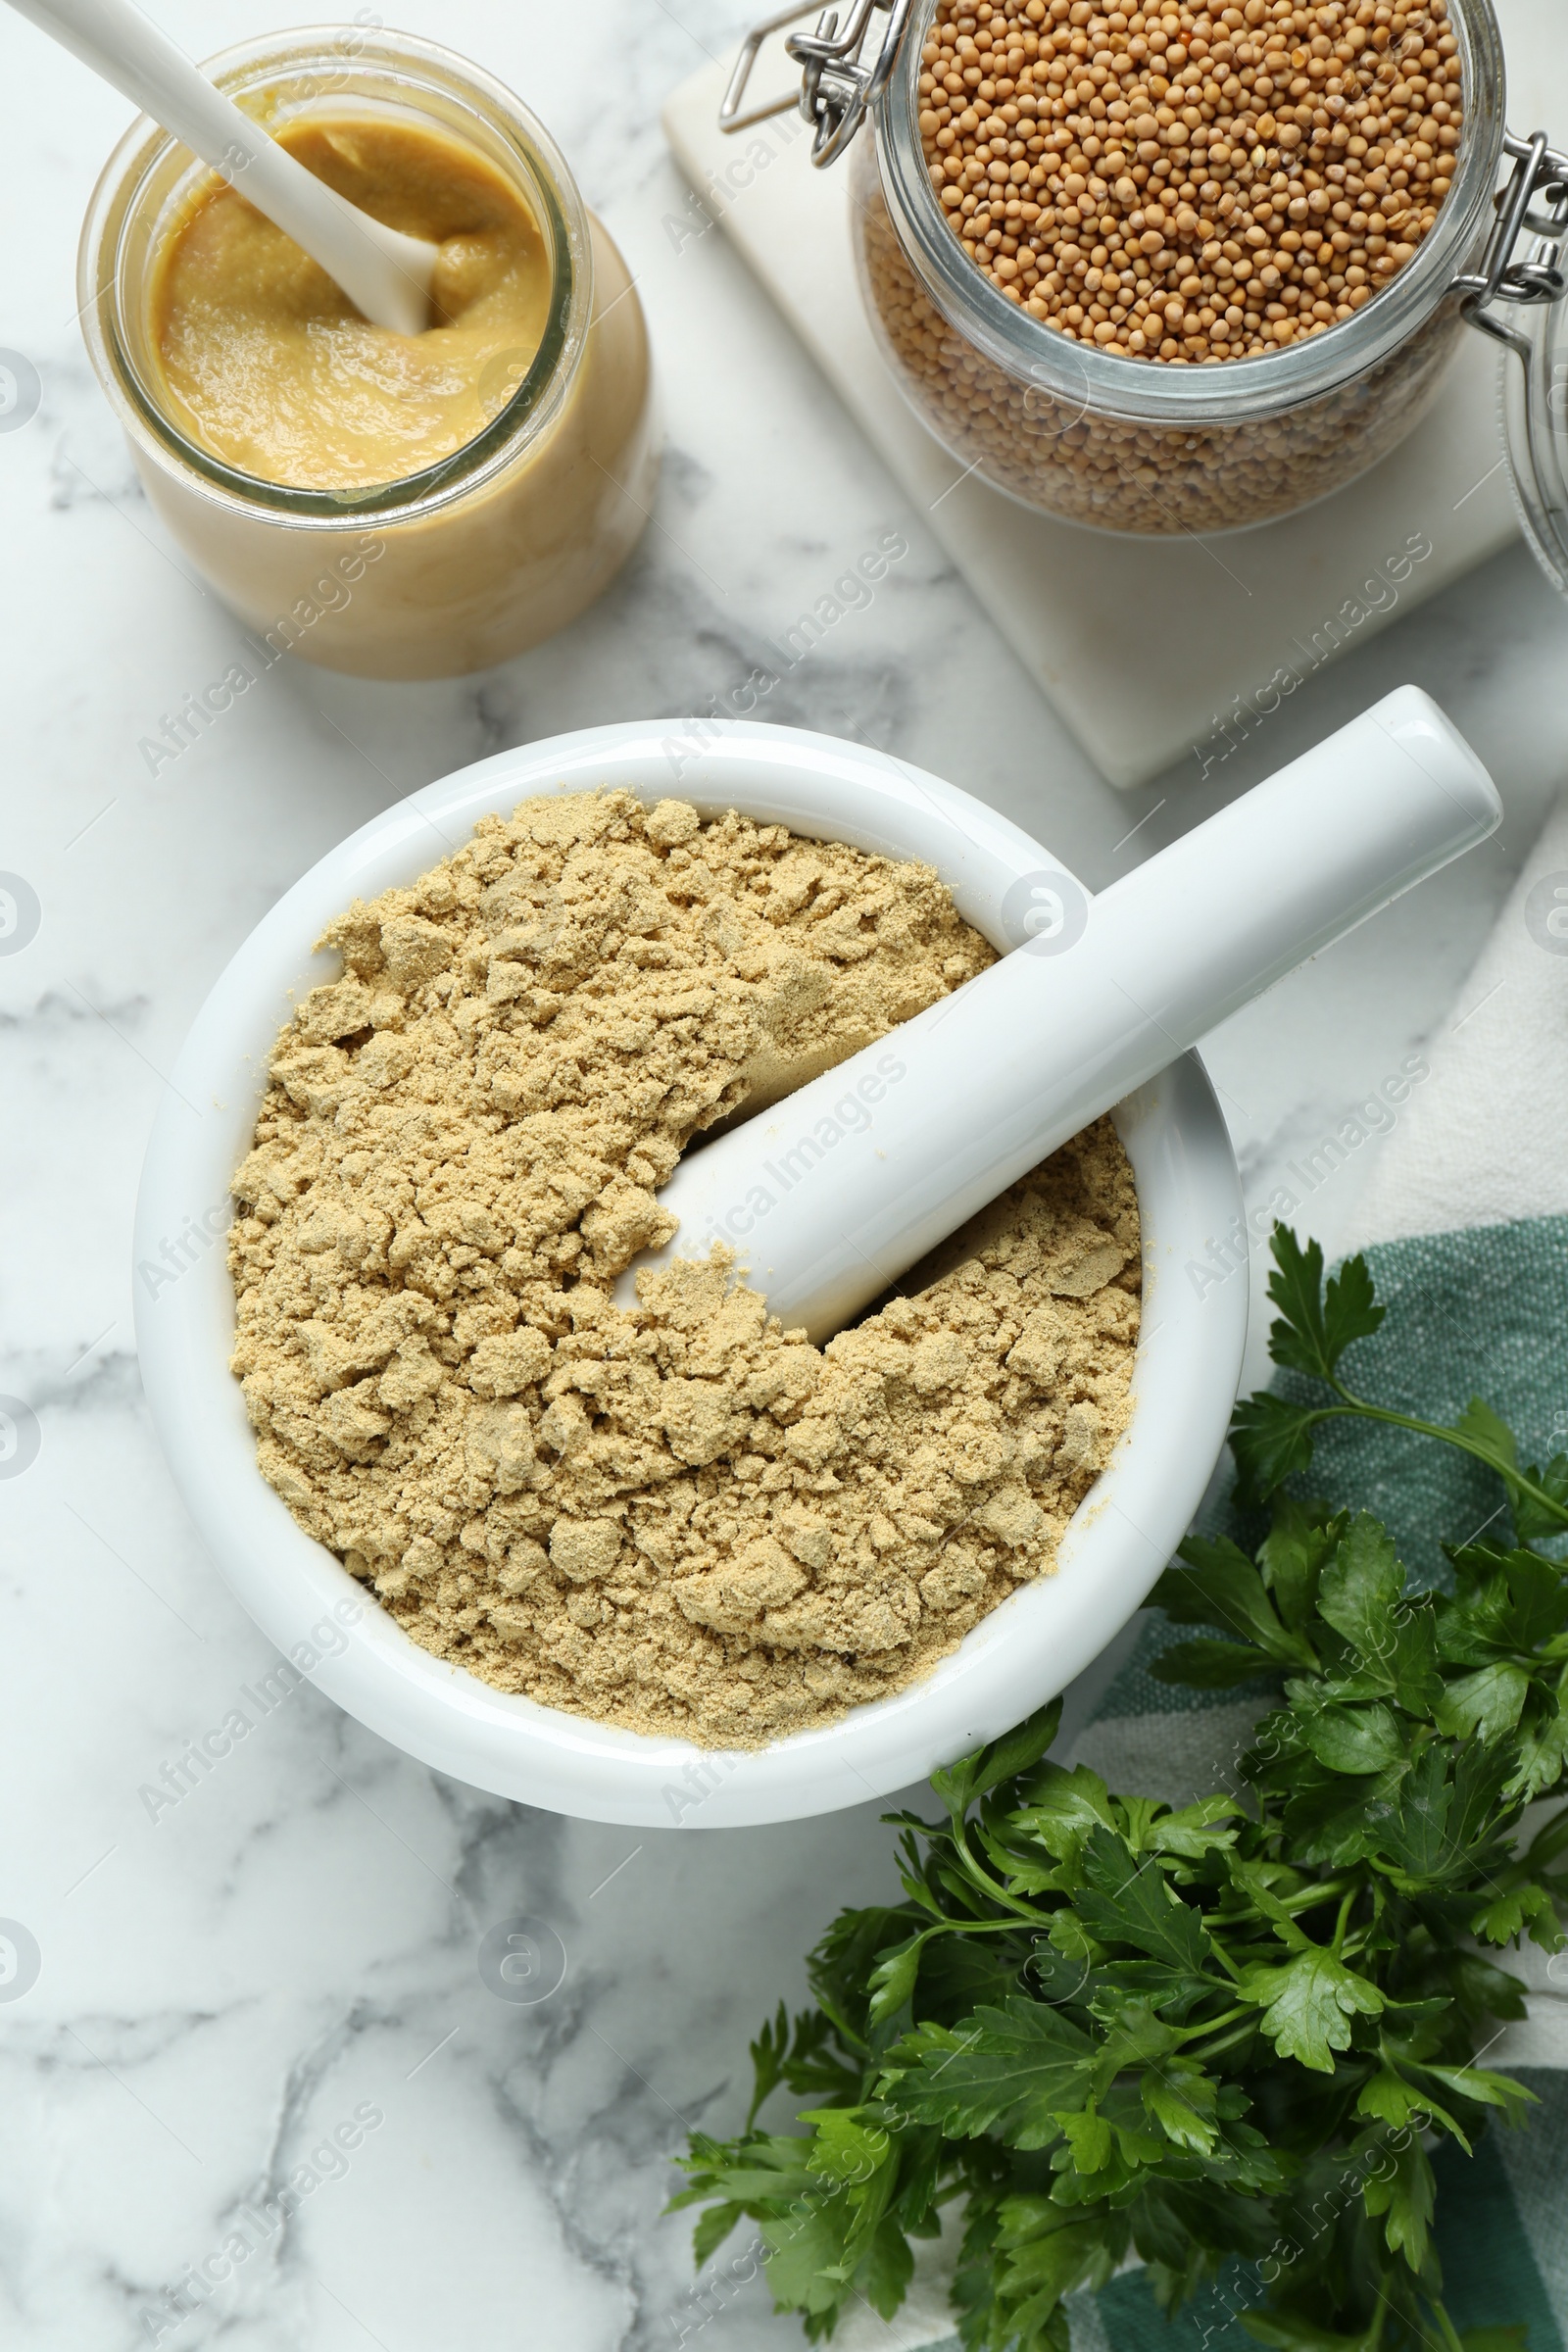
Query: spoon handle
[[835, 1191], [385, 274]]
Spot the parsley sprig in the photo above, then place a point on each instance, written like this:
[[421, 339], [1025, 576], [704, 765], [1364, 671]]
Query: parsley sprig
[[1221, 2032], [1271, 1436]]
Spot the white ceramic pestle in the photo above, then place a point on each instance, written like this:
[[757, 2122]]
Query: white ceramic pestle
[[833, 1193], [385, 274]]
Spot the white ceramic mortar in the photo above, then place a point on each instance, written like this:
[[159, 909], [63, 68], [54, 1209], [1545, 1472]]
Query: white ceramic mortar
[[1188, 1362]]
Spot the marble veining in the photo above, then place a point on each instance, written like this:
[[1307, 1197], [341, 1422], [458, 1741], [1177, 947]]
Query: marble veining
[[290, 1939]]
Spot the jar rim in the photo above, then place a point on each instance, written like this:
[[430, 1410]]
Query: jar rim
[[365, 64], [1146, 391]]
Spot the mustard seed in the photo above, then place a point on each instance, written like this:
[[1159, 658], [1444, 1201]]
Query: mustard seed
[[1203, 153], [1213, 474]]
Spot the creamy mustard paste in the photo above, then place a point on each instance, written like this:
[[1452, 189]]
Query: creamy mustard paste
[[277, 374]]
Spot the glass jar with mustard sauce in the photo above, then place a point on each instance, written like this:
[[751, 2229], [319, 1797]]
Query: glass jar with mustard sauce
[[394, 506], [1094, 424]]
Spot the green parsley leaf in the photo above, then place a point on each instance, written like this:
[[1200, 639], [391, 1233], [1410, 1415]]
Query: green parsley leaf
[[1513, 1911], [893, 1979], [1487, 1703], [1298, 1545], [961, 1784], [1271, 1441], [1542, 1746], [846, 2149], [1358, 1740], [1361, 1587], [1317, 1325], [1123, 1901], [1064, 1810], [1090, 2139], [1406, 2194], [1192, 1831], [1488, 2089], [1486, 1429], [1417, 1684], [1534, 1520], [1216, 1584], [1184, 2102], [1308, 2005], [1006, 2071]]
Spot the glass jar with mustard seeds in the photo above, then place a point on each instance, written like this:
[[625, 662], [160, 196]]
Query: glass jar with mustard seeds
[[392, 506], [1184, 267]]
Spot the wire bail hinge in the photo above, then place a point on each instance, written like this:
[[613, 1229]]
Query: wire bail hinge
[[1532, 202], [838, 80]]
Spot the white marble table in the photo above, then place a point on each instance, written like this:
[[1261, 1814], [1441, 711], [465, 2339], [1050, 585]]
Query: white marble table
[[223, 1986]]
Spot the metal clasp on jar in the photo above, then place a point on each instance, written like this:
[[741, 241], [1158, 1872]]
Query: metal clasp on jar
[[838, 80], [1538, 172]]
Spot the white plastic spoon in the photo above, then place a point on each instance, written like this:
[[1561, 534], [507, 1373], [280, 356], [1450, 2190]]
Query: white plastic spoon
[[832, 1194], [385, 274]]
